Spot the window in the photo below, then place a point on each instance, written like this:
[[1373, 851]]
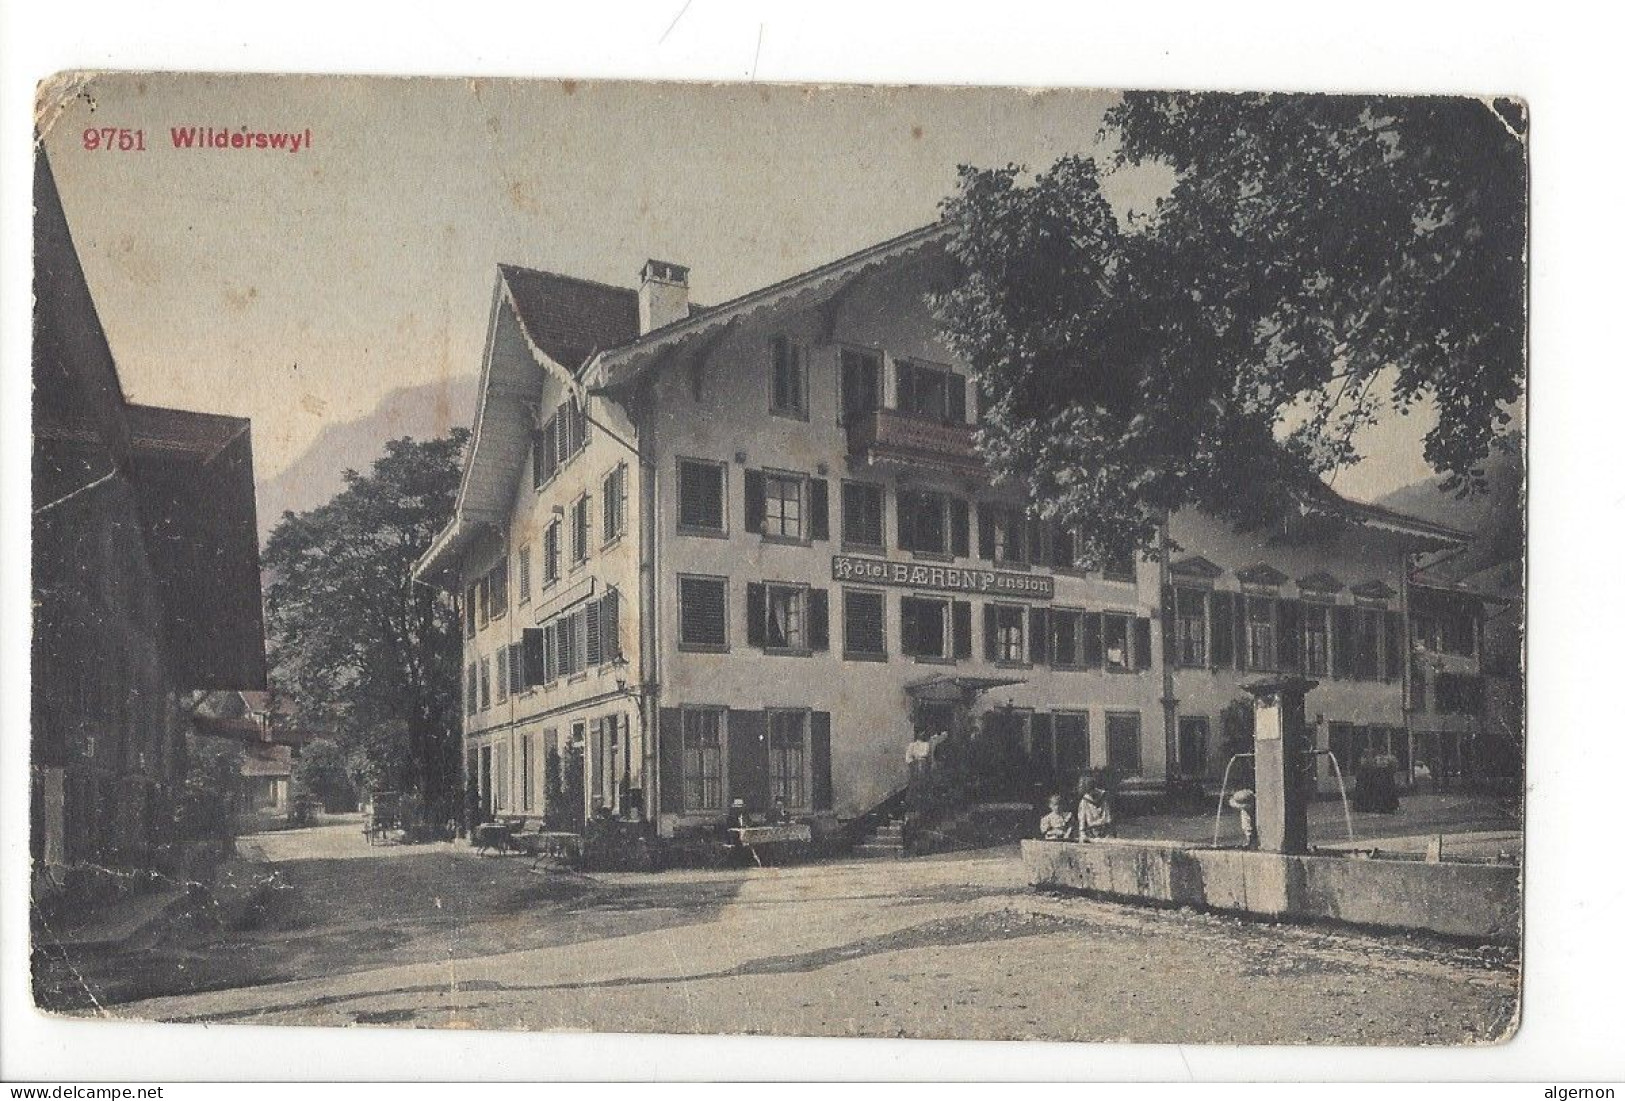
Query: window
[[482, 589], [551, 538], [789, 378], [860, 383], [580, 529], [566, 644], [781, 496], [1445, 632], [1316, 639], [1260, 632], [929, 391], [863, 514], [614, 504], [932, 523], [929, 632], [1190, 628], [702, 613], [524, 574], [471, 694], [1002, 533], [786, 621], [864, 624], [699, 496], [1123, 743], [787, 757], [470, 602], [702, 759], [485, 683], [1066, 630], [1114, 641], [1119, 565], [1006, 633]]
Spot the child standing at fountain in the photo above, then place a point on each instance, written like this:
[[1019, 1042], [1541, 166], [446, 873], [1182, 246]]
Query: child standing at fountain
[[1095, 813]]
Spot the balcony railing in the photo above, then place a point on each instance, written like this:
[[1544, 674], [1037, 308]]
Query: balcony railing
[[892, 436]]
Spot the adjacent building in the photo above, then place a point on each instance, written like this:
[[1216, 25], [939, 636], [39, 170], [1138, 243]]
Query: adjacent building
[[745, 551], [145, 581]]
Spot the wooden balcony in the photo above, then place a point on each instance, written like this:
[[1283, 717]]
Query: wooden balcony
[[887, 436]]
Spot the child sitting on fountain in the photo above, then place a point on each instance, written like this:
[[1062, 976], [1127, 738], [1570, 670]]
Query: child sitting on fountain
[[1057, 825]]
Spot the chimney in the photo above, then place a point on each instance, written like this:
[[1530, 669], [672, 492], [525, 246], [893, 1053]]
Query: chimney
[[662, 296]]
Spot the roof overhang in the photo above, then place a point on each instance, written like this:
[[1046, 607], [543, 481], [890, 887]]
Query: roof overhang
[[1328, 501], [511, 386], [945, 687]]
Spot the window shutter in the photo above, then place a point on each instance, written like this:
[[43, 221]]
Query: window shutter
[[1393, 638], [818, 508], [1091, 640], [595, 741], [990, 632], [1036, 530], [959, 524], [1238, 623], [516, 669], [533, 656], [1222, 652], [594, 631], [1289, 630], [670, 737], [1062, 548], [823, 787], [905, 513], [1342, 641], [610, 625], [1142, 642], [1038, 642], [1043, 727], [956, 397], [818, 619], [962, 629], [755, 501], [984, 531], [756, 614]]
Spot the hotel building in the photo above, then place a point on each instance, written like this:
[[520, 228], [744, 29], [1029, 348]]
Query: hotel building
[[743, 551]]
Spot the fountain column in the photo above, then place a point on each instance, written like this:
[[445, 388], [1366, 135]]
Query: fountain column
[[1281, 748]]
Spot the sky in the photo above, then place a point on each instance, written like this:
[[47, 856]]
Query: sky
[[297, 289]]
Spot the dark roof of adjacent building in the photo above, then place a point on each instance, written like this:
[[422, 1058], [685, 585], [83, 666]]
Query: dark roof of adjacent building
[[191, 474]]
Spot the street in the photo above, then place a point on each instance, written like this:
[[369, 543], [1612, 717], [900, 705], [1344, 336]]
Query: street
[[949, 946]]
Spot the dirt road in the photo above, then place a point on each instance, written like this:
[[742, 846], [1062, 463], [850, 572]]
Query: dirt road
[[953, 946]]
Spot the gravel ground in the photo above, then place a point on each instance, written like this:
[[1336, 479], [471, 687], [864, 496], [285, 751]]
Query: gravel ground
[[950, 946]]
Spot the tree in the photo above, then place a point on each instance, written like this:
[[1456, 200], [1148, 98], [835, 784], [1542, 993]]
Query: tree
[[322, 772], [1316, 262], [366, 653]]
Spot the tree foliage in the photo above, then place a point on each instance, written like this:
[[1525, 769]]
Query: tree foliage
[[369, 656], [1316, 262]]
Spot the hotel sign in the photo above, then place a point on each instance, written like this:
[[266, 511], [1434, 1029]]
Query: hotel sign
[[952, 579]]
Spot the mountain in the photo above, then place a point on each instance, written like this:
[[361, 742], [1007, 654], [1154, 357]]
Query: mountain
[[423, 412]]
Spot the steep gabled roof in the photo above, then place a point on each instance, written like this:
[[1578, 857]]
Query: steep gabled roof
[[570, 319]]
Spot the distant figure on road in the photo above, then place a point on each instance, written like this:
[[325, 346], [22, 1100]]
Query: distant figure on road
[[1057, 825], [473, 809], [1246, 804], [1095, 813]]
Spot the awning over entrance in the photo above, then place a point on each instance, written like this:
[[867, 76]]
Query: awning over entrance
[[950, 689]]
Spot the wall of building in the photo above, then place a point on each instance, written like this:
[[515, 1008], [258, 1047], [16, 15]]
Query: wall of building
[[731, 422], [107, 747], [1353, 555], [557, 708]]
